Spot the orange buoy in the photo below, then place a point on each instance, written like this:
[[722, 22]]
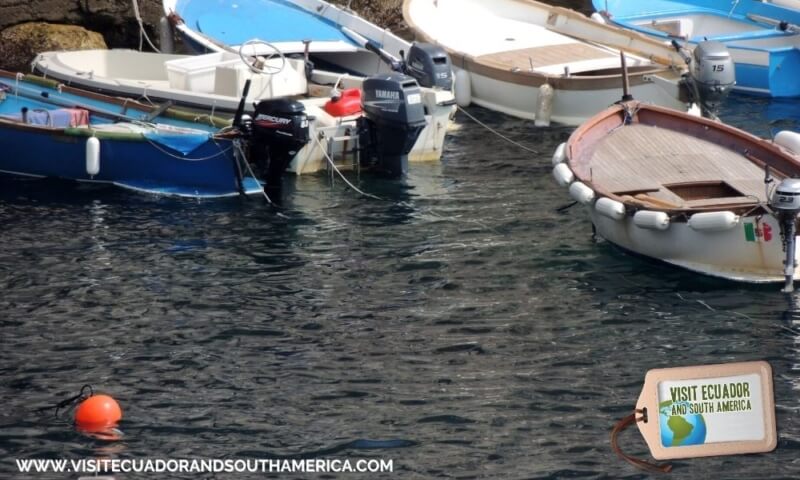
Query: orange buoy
[[98, 412]]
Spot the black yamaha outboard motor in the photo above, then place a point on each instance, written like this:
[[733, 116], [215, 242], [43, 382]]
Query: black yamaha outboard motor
[[279, 130], [393, 119], [430, 65], [711, 75]]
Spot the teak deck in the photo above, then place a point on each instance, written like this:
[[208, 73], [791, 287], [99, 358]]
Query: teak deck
[[537, 57], [651, 164]]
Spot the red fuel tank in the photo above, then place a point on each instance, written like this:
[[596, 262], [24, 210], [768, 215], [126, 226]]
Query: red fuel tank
[[348, 103]]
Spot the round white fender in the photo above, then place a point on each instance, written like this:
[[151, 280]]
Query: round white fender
[[598, 18], [462, 88], [610, 208], [92, 156], [563, 174], [560, 154], [789, 140], [651, 220], [544, 106], [713, 221], [581, 193]]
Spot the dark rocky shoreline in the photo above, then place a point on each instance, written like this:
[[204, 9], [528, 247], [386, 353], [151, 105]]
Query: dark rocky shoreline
[[30, 26]]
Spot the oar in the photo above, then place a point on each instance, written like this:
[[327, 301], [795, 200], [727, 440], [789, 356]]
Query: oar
[[46, 97]]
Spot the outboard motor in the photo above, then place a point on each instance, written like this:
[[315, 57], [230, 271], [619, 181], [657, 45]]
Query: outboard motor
[[279, 130], [711, 75], [430, 65], [393, 119], [786, 202]]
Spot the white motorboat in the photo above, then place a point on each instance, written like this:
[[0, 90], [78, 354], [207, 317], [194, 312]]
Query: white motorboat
[[215, 83], [535, 61], [689, 191], [334, 39]]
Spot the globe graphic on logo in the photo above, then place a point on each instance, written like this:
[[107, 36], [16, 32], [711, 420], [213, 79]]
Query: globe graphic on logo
[[680, 430]]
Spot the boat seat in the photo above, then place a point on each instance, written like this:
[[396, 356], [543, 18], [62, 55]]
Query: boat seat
[[55, 118], [229, 80]]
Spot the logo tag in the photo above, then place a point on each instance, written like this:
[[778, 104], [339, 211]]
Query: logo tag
[[708, 410]]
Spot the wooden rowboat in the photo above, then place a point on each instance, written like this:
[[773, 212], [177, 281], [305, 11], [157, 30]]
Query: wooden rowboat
[[686, 190]]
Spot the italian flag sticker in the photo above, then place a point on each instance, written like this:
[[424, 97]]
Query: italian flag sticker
[[753, 232]]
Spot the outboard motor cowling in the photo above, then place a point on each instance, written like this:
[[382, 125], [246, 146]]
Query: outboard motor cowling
[[786, 203], [712, 74], [430, 65], [393, 119], [279, 130]]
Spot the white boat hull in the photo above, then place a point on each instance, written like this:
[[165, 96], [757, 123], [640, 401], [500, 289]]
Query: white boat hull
[[570, 107], [143, 75], [726, 254]]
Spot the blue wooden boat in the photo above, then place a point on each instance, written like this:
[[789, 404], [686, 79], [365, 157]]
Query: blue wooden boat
[[763, 38], [60, 132]]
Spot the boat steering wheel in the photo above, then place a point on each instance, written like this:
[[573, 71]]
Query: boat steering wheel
[[260, 63]]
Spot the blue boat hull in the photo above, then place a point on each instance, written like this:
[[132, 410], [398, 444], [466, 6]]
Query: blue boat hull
[[767, 58], [161, 155], [209, 171]]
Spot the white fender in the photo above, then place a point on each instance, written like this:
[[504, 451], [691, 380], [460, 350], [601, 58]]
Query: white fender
[[92, 156], [544, 106], [560, 154], [462, 88], [563, 174], [651, 220], [598, 18], [789, 140], [581, 193], [713, 221], [610, 208]]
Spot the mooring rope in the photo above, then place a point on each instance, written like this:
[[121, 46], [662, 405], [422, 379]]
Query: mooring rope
[[335, 169], [142, 32], [487, 127]]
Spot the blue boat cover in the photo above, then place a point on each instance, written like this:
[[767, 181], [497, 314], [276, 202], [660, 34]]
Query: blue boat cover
[[235, 22], [182, 141]]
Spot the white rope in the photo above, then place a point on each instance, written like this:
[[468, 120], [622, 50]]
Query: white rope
[[335, 169], [487, 127], [201, 159], [237, 144], [142, 32]]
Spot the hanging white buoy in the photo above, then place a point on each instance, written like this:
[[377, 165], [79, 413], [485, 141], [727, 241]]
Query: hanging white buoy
[[563, 175], [713, 221], [462, 88], [92, 156], [581, 193], [789, 140], [544, 106], [610, 208], [560, 154], [166, 37], [651, 220]]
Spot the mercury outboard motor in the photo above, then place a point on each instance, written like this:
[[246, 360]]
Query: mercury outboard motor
[[279, 130], [711, 75], [430, 65], [786, 203], [393, 119]]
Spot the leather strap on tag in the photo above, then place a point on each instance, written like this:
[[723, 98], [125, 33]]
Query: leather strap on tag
[[636, 462]]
